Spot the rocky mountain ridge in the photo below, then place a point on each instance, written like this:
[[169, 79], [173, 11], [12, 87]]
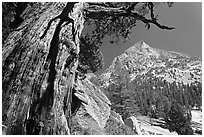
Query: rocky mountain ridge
[[141, 59]]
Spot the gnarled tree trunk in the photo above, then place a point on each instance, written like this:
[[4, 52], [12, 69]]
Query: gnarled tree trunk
[[39, 61]]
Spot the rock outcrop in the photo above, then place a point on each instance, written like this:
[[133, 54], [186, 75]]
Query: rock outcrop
[[95, 107], [117, 117], [116, 127], [133, 124]]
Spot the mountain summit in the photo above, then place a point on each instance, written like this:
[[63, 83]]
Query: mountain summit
[[142, 60]]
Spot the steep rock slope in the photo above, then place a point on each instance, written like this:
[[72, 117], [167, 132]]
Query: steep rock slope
[[93, 109]]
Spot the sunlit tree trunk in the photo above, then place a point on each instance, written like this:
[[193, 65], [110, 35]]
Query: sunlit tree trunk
[[39, 62]]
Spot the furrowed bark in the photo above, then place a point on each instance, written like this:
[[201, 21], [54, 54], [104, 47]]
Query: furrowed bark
[[38, 75]]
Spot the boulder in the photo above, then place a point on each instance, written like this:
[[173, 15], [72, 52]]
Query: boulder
[[132, 122], [117, 117]]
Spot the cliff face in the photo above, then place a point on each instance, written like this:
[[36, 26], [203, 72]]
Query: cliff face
[[93, 110]]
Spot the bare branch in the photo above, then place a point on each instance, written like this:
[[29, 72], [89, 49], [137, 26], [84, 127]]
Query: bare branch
[[148, 21], [151, 8]]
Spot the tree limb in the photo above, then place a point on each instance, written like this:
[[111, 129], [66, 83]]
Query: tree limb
[[97, 12], [148, 21], [151, 8]]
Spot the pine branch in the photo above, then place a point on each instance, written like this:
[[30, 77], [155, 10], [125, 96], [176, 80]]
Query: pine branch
[[97, 12]]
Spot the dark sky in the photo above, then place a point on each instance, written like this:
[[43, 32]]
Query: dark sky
[[186, 38]]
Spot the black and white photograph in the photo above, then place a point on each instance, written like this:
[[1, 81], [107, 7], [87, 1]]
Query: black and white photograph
[[101, 67]]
